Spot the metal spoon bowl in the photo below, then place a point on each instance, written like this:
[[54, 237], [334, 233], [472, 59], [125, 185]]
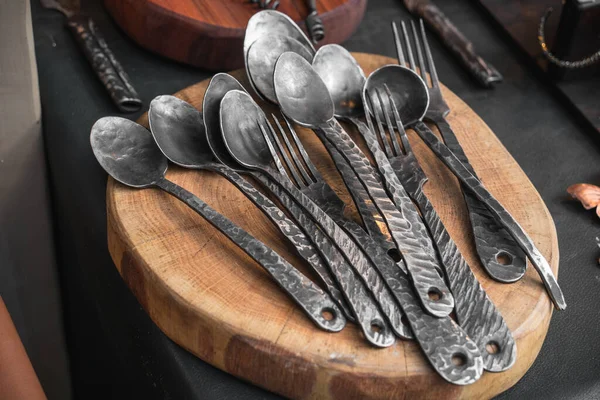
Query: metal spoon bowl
[[409, 92], [240, 121], [179, 131], [269, 22], [300, 92], [261, 59], [344, 79], [127, 152], [219, 85]]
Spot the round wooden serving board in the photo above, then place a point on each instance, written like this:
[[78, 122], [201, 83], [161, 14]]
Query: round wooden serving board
[[213, 300], [210, 33]]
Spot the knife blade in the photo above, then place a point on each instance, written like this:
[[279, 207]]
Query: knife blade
[[483, 72], [103, 61]]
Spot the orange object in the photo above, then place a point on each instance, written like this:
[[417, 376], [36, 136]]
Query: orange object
[[17, 377]]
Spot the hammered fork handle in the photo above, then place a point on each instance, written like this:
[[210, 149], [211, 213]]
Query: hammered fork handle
[[366, 311], [500, 255], [498, 211], [475, 312], [402, 218]]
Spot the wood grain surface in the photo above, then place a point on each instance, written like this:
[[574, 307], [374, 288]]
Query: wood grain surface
[[213, 300], [210, 33]]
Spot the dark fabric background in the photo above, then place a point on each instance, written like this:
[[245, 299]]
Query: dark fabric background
[[115, 349]]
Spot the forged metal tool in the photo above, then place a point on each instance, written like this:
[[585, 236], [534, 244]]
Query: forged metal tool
[[410, 96], [475, 312], [364, 308], [178, 130], [312, 184], [304, 98], [500, 255], [128, 153], [244, 128], [314, 25], [103, 61]]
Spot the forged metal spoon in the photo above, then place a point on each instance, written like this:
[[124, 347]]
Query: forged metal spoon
[[178, 130], [271, 22], [243, 125], [411, 110], [500, 255], [440, 338], [128, 153], [475, 312], [351, 286], [261, 58], [305, 99]]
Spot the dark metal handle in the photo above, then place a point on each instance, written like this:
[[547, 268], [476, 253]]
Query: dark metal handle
[[500, 255], [501, 215], [314, 24], [104, 63], [455, 41], [475, 312], [314, 301], [402, 219], [306, 213], [287, 228]]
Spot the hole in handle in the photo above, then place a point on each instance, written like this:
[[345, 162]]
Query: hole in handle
[[504, 258], [395, 255], [328, 314], [493, 347], [459, 359], [434, 294]]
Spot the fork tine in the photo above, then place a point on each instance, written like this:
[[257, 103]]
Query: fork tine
[[381, 129], [274, 154], [432, 71], [286, 158], [292, 152], [307, 161], [419, 52], [399, 125], [399, 52], [388, 122], [409, 52], [380, 132]]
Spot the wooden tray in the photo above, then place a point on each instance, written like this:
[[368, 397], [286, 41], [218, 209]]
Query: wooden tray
[[213, 300], [210, 33]]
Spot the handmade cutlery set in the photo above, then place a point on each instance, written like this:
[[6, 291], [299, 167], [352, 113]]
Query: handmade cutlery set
[[399, 273]]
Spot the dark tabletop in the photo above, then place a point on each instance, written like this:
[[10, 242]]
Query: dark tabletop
[[115, 349]]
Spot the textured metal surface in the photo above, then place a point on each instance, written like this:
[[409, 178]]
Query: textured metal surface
[[440, 339], [403, 220], [304, 99], [475, 312], [128, 153], [324, 196], [484, 73], [311, 183], [314, 301], [271, 22], [178, 130], [499, 254], [492, 241], [261, 58], [367, 314], [239, 116], [501, 215], [370, 215], [103, 61], [314, 25]]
